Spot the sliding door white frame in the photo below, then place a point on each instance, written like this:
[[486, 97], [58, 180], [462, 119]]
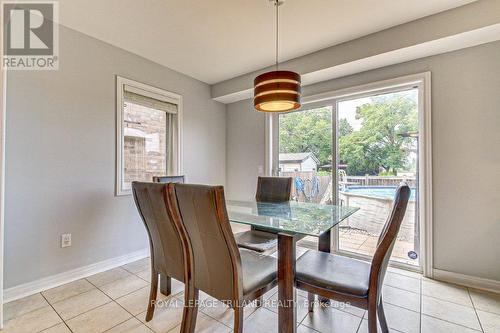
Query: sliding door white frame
[[423, 81]]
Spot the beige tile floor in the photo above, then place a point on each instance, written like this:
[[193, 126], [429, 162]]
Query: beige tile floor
[[115, 301]]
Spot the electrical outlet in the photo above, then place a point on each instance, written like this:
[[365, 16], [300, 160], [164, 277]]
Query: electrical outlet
[[65, 240], [260, 169]]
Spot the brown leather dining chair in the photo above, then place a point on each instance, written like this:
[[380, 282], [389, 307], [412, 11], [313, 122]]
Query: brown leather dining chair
[[216, 265], [169, 179], [350, 280], [165, 238], [165, 280], [269, 189]]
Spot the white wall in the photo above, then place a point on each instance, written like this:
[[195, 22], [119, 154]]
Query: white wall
[[245, 141], [286, 167], [60, 172], [466, 141], [309, 165]]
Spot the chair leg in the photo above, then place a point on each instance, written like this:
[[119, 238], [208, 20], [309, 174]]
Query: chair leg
[[372, 317], [165, 284], [381, 317], [238, 319], [152, 295], [190, 312], [311, 298]]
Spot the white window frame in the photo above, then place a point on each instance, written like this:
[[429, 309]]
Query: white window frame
[[168, 96], [423, 81]]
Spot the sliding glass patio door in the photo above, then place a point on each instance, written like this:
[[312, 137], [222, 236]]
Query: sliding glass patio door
[[377, 149], [355, 151]]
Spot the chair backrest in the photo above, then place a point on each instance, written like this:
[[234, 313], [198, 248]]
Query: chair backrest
[[168, 179], [164, 236], [273, 189], [387, 240], [216, 259]]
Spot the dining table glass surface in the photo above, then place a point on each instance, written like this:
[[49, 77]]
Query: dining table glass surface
[[303, 218]]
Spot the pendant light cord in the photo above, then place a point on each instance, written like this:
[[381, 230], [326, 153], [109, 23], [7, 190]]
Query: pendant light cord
[[277, 4]]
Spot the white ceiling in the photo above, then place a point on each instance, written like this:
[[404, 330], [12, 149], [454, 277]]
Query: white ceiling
[[215, 40]]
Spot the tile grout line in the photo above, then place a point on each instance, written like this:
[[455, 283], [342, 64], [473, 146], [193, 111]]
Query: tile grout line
[[113, 281], [303, 318], [263, 307], [57, 313], [134, 273], [112, 301], [447, 321], [141, 277], [475, 310], [398, 288], [450, 322], [133, 291], [98, 306], [409, 273], [220, 322], [171, 330], [340, 310], [447, 301], [66, 298], [313, 329], [360, 323], [403, 307]]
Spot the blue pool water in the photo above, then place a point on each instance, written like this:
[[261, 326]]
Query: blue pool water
[[384, 192]]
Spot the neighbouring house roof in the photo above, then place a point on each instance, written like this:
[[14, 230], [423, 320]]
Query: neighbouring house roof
[[296, 157]]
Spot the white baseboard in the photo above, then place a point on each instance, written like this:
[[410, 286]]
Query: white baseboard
[[467, 280], [48, 282]]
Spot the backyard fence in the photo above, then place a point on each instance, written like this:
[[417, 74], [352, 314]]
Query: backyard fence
[[381, 180], [309, 194]]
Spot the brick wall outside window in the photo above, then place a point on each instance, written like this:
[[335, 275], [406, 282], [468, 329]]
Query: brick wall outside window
[[145, 143]]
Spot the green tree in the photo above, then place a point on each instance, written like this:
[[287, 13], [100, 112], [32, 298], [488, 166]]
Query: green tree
[[344, 127], [379, 143], [307, 131], [377, 146]]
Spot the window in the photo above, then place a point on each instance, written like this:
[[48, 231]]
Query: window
[[148, 133], [377, 142]]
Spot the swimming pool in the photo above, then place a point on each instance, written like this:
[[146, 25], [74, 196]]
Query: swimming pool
[[382, 192]]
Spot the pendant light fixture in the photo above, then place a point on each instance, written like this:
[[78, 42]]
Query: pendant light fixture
[[277, 91]]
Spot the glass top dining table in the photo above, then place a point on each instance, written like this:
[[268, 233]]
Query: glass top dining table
[[303, 218], [289, 220]]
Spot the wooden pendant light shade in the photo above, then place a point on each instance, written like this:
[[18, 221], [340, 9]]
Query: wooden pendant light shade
[[277, 91]]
